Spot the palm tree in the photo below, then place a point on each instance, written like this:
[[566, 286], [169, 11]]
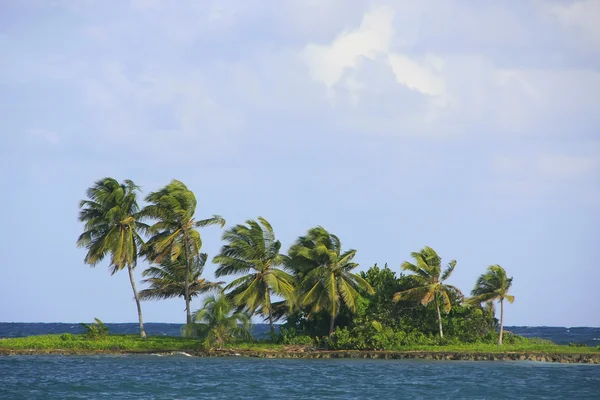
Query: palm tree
[[174, 232], [167, 280], [324, 273], [112, 227], [252, 250], [218, 323], [428, 280], [493, 286]]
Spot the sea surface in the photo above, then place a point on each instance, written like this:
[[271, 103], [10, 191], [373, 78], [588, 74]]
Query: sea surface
[[182, 377]]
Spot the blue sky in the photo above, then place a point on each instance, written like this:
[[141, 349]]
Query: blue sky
[[471, 127]]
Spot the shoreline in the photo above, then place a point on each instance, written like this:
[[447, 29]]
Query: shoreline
[[564, 358]]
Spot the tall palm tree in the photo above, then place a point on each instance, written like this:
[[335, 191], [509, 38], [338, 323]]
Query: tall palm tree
[[429, 281], [112, 227], [252, 250], [167, 280], [324, 273], [493, 286], [175, 231], [218, 323]]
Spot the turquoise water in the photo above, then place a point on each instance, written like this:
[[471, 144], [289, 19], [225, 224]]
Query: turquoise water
[[181, 377]]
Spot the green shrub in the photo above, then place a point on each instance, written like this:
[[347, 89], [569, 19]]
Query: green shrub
[[340, 339], [577, 344], [291, 337], [68, 337], [96, 330]]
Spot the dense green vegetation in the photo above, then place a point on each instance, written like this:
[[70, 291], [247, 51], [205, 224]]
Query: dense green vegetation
[[313, 288], [218, 324], [133, 343], [174, 233], [68, 341], [253, 252]]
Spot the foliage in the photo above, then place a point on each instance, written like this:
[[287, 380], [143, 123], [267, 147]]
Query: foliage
[[218, 324], [68, 337], [428, 282], [168, 280], [112, 227], [252, 250], [290, 336], [324, 274], [376, 337], [492, 286], [95, 330], [82, 342], [112, 223], [133, 343], [174, 232]]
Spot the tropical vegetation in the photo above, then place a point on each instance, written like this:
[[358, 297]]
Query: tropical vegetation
[[175, 229], [429, 281], [493, 286], [218, 323], [253, 251], [113, 227], [167, 280], [324, 274], [314, 288]]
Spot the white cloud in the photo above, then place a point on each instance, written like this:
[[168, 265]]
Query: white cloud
[[583, 15], [373, 40], [423, 77], [328, 62]]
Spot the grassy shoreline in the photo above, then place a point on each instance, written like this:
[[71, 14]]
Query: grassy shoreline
[[68, 344]]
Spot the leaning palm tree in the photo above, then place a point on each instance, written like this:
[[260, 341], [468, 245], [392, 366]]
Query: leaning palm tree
[[174, 233], [252, 250], [218, 323], [428, 280], [324, 274], [112, 227], [167, 280], [493, 286]]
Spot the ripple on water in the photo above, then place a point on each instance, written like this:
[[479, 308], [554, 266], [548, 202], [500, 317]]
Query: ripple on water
[[181, 377]]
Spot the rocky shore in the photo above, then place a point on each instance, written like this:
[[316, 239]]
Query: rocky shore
[[298, 353]]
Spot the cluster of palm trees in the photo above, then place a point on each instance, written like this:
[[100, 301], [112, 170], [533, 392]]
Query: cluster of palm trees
[[316, 275], [429, 285]]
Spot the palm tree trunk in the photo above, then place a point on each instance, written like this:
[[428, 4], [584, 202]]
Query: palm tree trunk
[[270, 311], [137, 301], [501, 322], [331, 324], [437, 307], [188, 313]]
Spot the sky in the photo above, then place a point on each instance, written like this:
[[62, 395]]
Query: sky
[[470, 127]]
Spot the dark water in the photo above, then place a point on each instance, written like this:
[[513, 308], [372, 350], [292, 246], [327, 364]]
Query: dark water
[[585, 335], [181, 377], [21, 329]]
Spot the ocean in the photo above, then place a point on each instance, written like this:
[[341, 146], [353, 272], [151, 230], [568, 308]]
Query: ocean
[[182, 377]]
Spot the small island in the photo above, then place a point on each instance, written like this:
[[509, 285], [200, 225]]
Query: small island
[[329, 310], [68, 344]]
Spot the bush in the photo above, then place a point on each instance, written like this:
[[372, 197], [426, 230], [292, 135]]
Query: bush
[[96, 330], [68, 337], [341, 339], [291, 337]]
